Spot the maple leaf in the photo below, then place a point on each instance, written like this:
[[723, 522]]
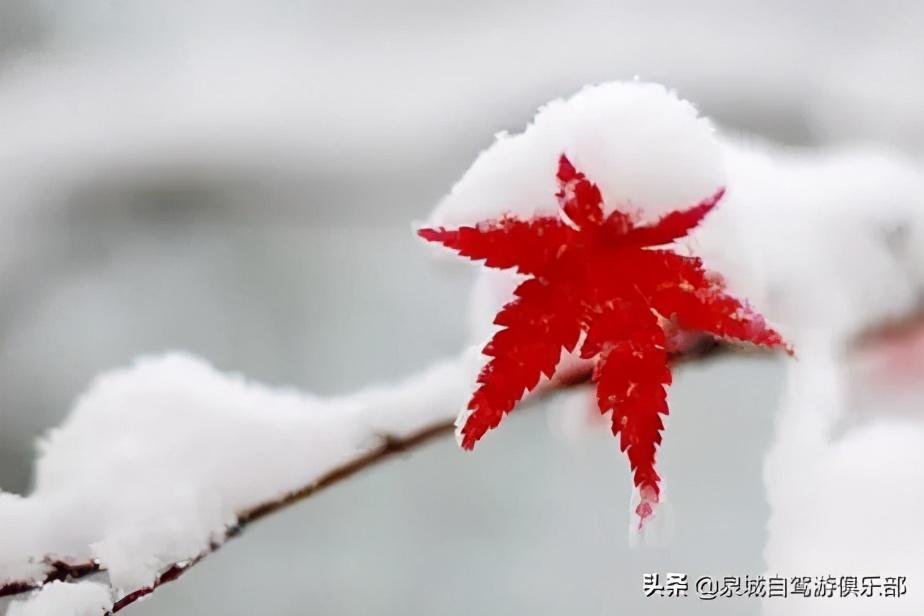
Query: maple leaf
[[600, 275]]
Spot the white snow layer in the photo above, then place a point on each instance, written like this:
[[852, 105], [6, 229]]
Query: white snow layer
[[822, 242], [64, 599], [645, 148], [157, 460]]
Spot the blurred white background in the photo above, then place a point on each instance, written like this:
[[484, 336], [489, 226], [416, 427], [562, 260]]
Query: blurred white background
[[239, 179]]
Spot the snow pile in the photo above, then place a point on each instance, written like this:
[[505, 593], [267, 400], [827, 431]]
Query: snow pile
[[822, 242], [62, 599], [157, 461], [646, 149]]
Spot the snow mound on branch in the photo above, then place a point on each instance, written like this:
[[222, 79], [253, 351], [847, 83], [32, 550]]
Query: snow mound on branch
[[63, 599], [158, 460], [819, 240], [647, 150]]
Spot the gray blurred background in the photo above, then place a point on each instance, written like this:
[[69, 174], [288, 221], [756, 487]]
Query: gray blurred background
[[239, 179]]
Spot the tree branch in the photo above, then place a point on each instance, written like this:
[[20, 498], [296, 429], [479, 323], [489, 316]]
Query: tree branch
[[390, 446]]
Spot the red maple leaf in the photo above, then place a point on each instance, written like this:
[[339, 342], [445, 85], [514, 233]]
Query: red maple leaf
[[600, 275]]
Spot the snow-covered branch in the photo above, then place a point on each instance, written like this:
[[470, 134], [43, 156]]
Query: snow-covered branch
[[162, 460], [160, 463]]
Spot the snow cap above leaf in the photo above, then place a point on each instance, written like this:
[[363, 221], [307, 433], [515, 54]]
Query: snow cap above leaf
[[649, 152]]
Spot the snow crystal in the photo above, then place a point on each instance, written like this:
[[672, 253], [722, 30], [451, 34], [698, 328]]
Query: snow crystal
[[64, 599]]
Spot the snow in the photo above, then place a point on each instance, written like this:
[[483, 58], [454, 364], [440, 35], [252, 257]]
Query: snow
[[64, 599], [819, 240], [842, 477], [156, 461], [646, 149], [828, 243]]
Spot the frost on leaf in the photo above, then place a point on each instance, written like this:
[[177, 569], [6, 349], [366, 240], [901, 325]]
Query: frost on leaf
[[601, 275]]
